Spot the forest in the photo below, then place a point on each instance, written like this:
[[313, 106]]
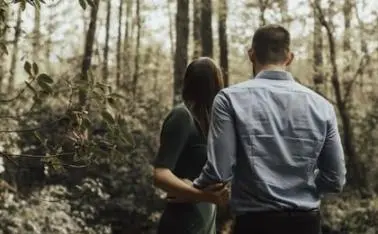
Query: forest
[[86, 84]]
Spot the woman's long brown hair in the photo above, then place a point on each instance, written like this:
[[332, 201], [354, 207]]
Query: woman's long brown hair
[[202, 81]]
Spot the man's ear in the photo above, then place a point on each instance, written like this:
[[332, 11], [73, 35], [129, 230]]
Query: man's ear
[[289, 59]]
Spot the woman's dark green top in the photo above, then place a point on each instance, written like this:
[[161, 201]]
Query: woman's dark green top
[[183, 151]]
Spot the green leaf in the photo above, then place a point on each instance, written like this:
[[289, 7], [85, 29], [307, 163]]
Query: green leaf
[[107, 117], [45, 78], [27, 67], [35, 69], [46, 87], [83, 4]]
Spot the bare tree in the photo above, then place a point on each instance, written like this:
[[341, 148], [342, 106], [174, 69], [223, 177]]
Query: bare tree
[[318, 77], [17, 34], [3, 36], [137, 48], [223, 45], [196, 28], [284, 10], [263, 5], [105, 69], [36, 33], [206, 28], [119, 44], [171, 29], [356, 173], [88, 51], [127, 41], [181, 55]]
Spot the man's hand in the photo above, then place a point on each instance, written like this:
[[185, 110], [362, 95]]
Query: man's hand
[[216, 193]]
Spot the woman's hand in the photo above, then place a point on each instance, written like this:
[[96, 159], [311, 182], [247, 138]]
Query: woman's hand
[[216, 193]]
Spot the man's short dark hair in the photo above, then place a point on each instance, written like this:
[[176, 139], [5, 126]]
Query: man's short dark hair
[[271, 44]]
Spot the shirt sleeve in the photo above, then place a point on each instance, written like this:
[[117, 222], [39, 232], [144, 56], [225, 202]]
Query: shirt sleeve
[[221, 151], [173, 138], [332, 171]]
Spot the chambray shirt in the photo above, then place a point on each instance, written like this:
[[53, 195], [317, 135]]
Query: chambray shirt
[[277, 142]]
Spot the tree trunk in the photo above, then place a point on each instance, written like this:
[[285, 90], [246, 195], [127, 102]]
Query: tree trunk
[[284, 10], [223, 45], [137, 48], [119, 44], [127, 43], [262, 5], [181, 54], [318, 77], [171, 32], [36, 33], [196, 28], [3, 37], [88, 51], [206, 28], [347, 10], [356, 176], [17, 34], [105, 69]]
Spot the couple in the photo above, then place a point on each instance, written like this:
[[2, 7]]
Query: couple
[[275, 141]]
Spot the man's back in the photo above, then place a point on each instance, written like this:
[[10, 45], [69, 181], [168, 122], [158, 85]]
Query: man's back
[[281, 127], [284, 134]]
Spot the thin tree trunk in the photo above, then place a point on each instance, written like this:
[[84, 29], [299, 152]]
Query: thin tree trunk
[[155, 71], [318, 77], [196, 28], [3, 37], [171, 32], [263, 5], [206, 28], [127, 44], [105, 69], [50, 31], [347, 10], [223, 45], [88, 51], [137, 48], [284, 10], [181, 54], [36, 33], [356, 174], [119, 44], [147, 63], [15, 50]]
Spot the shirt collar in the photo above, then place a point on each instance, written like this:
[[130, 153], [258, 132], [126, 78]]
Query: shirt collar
[[274, 75]]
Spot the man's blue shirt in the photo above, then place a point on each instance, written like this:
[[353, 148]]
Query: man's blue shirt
[[277, 141]]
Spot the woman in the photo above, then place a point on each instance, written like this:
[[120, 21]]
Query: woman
[[182, 153]]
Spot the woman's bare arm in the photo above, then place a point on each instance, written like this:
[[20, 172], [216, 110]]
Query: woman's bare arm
[[166, 180]]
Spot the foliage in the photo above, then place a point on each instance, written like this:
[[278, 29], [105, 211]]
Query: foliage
[[351, 215], [46, 211]]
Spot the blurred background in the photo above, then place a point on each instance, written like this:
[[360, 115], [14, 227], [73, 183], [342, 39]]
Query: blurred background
[[86, 84]]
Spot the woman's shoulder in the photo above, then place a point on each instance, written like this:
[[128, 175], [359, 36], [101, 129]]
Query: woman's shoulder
[[179, 113], [180, 110]]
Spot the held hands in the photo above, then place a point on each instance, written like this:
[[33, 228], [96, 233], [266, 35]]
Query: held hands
[[216, 193]]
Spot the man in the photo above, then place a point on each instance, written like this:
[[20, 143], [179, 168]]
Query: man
[[277, 141]]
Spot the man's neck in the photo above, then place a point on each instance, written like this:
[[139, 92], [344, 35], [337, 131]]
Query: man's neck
[[272, 67]]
